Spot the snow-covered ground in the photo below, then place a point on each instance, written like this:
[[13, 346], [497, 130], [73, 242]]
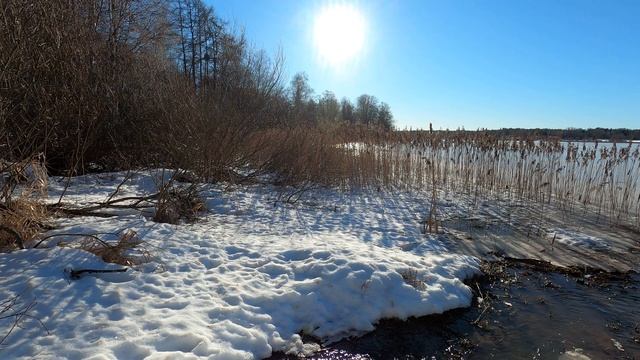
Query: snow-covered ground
[[573, 238], [243, 281]]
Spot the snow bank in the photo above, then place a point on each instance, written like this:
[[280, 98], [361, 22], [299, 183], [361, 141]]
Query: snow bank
[[241, 283]]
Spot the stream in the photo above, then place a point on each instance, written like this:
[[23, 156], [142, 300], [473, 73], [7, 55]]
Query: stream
[[521, 311]]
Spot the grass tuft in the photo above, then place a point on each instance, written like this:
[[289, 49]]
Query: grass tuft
[[410, 276]]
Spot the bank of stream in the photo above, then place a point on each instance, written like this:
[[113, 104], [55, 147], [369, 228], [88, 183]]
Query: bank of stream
[[523, 309]]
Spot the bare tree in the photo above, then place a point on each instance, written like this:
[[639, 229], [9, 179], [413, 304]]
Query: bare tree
[[385, 117], [367, 110], [347, 111], [328, 108]]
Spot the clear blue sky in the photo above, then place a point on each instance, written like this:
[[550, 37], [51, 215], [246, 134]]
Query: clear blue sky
[[494, 63]]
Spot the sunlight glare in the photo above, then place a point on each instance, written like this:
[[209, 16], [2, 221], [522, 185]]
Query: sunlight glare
[[339, 34]]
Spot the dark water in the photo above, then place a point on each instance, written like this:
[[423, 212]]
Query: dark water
[[550, 313], [526, 314]]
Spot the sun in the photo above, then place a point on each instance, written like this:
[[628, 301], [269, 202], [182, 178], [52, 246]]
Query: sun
[[339, 34]]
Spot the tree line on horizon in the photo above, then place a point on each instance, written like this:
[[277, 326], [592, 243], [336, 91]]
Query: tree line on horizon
[[326, 108], [569, 134], [575, 134]]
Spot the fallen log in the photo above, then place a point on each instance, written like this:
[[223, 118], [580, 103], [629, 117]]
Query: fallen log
[[77, 274]]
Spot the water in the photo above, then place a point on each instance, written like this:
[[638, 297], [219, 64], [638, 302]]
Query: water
[[551, 313]]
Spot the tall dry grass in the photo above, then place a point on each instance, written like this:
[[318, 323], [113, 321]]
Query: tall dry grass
[[570, 176], [603, 178]]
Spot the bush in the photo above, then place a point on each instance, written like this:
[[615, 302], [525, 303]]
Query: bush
[[178, 203]]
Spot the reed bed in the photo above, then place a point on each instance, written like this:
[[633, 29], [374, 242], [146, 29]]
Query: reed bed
[[599, 177]]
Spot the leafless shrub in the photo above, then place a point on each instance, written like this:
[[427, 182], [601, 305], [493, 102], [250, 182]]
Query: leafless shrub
[[25, 177], [178, 203], [298, 156], [186, 177]]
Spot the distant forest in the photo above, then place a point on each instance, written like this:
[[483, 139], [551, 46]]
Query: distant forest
[[574, 134]]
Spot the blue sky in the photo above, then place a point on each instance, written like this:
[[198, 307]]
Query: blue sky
[[463, 63]]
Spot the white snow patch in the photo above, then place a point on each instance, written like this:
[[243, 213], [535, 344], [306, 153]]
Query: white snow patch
[[575, 354], [241, 283], [573, 238]]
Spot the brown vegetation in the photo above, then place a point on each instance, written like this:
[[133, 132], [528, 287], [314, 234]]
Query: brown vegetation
[[129, 250], [410, 276], [110, 85], [22, 213], [178, 203], [20, 223]]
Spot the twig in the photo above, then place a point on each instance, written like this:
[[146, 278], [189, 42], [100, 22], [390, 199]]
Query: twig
[[83, 235], [296, 193], [8, 306], [110, 204], [126, 178]]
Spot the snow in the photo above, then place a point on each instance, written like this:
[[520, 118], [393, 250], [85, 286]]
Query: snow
[[574, 238], [242, 282], [575, 354]]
